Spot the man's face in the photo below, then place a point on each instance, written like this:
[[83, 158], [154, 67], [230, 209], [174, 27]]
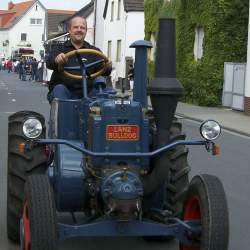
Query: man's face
[[78, 29]]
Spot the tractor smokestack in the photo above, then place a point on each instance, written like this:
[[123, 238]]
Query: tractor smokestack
[[166, 56], [164, 91]]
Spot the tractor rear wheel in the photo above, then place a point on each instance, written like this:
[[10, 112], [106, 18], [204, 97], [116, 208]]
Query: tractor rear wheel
[[206, 201], [21, 165], [178, 180], [38, 225]]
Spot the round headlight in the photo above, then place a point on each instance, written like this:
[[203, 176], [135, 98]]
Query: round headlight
[[210, 130], [32, 128]]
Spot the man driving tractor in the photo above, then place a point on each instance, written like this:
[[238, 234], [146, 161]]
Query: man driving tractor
[[61, 86]]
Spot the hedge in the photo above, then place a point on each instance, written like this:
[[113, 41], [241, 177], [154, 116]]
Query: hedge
[[225, 24]]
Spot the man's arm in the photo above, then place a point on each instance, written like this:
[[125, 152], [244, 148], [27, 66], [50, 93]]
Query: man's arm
[[54, 58]]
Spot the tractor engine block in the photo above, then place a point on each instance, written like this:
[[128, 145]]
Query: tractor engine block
[[122, 193]]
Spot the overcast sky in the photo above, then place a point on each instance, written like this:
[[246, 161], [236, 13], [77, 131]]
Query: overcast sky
[[52, 4]]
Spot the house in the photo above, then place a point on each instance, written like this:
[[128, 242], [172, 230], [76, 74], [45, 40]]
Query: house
[[23, 29], [123, 24], [54, 18], [25, 26]]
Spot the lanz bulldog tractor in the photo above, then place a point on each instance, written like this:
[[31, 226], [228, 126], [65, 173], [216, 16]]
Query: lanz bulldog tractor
[[119, 163]]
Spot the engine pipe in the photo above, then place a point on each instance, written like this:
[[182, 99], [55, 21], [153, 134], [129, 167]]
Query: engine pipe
[[140, 71]]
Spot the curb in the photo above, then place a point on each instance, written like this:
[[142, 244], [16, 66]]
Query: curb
[[224, 127]]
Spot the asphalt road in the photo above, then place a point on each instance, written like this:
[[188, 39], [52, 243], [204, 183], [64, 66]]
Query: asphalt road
[[232, 167]]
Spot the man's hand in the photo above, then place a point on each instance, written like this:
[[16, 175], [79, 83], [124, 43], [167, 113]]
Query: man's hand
[[61, 59]]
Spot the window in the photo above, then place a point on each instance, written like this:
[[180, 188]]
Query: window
[[38, 21], [119, 10], [32, 21], [118, 50], [112, 11], [23, 37], [109, 49], [198, 43]]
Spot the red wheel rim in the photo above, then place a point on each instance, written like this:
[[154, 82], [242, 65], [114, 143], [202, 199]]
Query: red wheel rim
[[192, 211], [26, 225]]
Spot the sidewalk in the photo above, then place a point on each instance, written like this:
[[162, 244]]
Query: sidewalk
[[229, 119]]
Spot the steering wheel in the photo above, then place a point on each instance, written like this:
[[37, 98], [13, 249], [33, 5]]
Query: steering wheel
[[82, 52]]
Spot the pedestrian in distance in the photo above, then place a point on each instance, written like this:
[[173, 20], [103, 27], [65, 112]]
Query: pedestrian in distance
[[9, 65], [24, 70], [131, 76], [60, 86], [40, 69], [34, 66]]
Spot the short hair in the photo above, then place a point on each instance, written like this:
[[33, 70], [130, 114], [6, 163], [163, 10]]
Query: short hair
[[70, 21]]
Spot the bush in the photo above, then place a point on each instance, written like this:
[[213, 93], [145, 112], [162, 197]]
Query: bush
[[225, 24]]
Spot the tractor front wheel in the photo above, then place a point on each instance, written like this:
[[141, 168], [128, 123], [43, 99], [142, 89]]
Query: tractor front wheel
[[38, 225], [20, 166], [206, 201]]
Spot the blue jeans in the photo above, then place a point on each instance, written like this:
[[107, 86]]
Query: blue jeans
[[62, 92]]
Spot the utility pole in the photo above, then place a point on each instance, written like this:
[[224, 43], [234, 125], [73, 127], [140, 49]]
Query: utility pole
[[247, 81]]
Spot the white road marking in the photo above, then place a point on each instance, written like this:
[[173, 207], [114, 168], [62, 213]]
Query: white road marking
[[9, 93], [3, 86], [9, 112], [13, 100]]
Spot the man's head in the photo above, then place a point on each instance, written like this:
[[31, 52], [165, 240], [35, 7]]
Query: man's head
[[77, 29]]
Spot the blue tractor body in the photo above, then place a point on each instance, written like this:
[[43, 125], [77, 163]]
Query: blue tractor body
[[102, 149], [110, 125], [119, 161]]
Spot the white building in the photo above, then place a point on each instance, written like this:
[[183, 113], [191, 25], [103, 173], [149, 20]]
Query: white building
[[99, 24], [23, 26], [123, 24]]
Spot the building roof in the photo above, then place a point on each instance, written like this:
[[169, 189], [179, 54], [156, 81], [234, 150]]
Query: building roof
[[9, 17], [67, 12], [55, 17], [133, 5], [129, 6], [84, 12]]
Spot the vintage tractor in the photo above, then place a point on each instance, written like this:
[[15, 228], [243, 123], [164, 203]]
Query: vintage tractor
[[119, 163]]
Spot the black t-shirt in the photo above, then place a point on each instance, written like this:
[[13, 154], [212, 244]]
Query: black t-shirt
[[58, 78]]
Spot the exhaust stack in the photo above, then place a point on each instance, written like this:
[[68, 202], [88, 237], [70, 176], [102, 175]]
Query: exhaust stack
[[164, 91]]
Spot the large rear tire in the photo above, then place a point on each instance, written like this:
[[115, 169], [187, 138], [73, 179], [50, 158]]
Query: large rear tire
[[206, 201], [39, 228], [20, 166], [178, 181]]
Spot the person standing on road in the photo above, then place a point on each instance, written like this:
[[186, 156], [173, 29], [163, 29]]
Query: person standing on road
[[9, 65], [60, 86], [131, 76], [40, 69], [34, 69]]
